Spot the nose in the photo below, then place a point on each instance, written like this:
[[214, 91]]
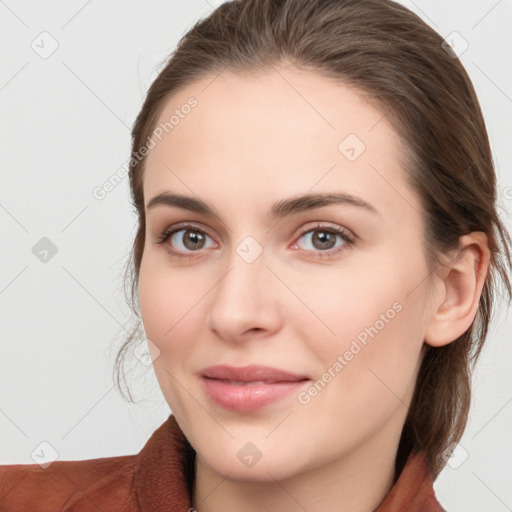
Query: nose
[[245, 300]]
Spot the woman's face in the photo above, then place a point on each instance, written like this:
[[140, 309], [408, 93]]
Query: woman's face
[[268, 281]]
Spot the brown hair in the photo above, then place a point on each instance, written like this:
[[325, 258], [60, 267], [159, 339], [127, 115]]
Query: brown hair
[[397, 61]]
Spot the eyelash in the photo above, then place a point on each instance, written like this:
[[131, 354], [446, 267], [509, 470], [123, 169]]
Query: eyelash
[[348, 239]]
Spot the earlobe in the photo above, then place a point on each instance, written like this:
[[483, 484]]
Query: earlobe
[[458, 298]]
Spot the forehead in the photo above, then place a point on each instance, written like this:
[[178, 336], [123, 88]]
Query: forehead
[[277, 133]]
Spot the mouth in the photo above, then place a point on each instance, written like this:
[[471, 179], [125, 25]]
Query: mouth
[[250, 387]]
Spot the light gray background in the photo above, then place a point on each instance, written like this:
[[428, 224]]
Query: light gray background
[[64, 131]]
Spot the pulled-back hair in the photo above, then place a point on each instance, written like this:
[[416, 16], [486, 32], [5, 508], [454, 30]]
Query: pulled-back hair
[[398, 62]]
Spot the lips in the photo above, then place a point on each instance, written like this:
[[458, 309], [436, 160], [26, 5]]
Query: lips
[[249, 387], [251, 373]]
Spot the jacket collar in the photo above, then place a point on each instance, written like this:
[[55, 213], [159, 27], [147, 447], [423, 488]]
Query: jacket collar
[[164, 472]]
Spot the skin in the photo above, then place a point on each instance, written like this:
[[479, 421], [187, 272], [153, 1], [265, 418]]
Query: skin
[[251, 141]]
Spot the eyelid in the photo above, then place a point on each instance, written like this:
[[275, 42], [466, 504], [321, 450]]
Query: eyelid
[[318, 225]]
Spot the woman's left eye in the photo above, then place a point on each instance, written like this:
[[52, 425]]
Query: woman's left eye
[[320, 237], [323, 237]]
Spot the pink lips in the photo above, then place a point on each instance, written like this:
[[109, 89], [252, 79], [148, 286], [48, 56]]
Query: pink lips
[[249, 387]]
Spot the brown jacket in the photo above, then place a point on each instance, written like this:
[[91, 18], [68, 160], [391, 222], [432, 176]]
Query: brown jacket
[[159, 478]]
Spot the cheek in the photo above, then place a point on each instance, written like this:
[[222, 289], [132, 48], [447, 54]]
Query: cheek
[[352, 304], [168, 309], [365, 385], [370, 334], [168, 297], [155, 301]]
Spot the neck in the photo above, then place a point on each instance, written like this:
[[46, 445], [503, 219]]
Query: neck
[[356, 482]]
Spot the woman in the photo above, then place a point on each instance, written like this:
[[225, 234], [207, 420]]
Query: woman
[[316, 261]]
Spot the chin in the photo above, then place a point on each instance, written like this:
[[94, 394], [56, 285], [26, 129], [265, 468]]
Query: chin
[[274, 468], [251, 462]]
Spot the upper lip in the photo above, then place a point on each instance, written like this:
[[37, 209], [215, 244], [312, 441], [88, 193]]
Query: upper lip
[[250, 373]]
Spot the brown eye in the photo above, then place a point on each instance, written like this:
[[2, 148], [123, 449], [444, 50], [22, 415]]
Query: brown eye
[[183, 240], [323, 239], [191, 239]]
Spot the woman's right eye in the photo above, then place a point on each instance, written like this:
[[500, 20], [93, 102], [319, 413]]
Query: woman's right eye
[[189, 237]]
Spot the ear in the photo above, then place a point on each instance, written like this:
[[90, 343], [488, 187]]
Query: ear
[[457, 299]]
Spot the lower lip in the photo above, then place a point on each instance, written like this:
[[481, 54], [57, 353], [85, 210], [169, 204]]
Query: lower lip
[[248, 397]]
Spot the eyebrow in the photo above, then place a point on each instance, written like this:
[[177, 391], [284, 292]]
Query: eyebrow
[[280, 209]]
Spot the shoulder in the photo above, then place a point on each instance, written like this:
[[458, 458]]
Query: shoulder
[[68, 485]]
